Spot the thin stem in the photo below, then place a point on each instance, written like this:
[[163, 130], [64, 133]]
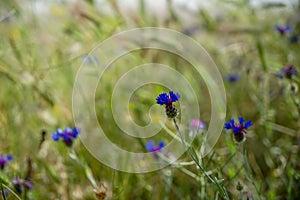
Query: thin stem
[[196, 160], [248, 168], [2, 191], [179, 166], [87, 170], [10, 190]]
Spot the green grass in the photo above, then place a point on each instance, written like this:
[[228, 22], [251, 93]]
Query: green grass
[[39, 59]]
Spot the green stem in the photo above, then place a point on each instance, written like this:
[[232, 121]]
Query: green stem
[[2, 190], [248, 168], [11, 191], [179, 166], [87, 170], [196, 160], [261, 54]]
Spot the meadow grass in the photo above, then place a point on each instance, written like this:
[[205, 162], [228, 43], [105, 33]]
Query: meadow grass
[[39, 58]]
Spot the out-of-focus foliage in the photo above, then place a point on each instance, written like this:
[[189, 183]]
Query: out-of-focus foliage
[[42, 45]]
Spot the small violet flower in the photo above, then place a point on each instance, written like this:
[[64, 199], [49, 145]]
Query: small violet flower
[[67, 135], [19, 184], [239, 128], [197, 124], [282, 30], [167, 100], [288, 71], [150, 146], [233, 77], [4, 159]]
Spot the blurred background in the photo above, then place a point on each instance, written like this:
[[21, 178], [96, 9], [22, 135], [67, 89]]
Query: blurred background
[[43, 44]]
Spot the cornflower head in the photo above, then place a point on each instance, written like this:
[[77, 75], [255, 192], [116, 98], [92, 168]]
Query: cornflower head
[[67, 135], [288, 71], [233, 77], [282, 30], [4, 159], [167, 100], [19, 184], [150, 146], [239, 128]]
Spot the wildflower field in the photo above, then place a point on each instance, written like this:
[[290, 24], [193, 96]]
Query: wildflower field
[[151, 100]]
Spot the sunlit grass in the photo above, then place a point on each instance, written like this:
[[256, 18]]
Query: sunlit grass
[[39, 58]]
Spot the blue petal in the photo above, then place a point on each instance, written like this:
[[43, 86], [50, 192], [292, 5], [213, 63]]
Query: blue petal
[[174, 97], [27, 184], [75, 132], [162, 99], [59, 131], [66, 136], [227, 125], [241, 120], [9, 157], [236, 129], [68, 130], [231, 121], [55, 136], [150, 146], [161, 145], [248, 124], [288, 28], [233, 77]]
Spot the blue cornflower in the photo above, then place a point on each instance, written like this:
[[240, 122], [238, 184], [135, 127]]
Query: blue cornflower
[[233, 77], [4, 159], [68, 135], [239, 128], [150, 146], [167, 100], [289, 71], [283, 29]]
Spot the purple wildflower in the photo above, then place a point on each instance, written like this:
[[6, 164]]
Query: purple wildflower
[[233, 77], [150, 146], [197, 124], [67, 135], [239, 128], [4, 159], [167, 100], [289, 71], [19, 184], [282, 30]]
